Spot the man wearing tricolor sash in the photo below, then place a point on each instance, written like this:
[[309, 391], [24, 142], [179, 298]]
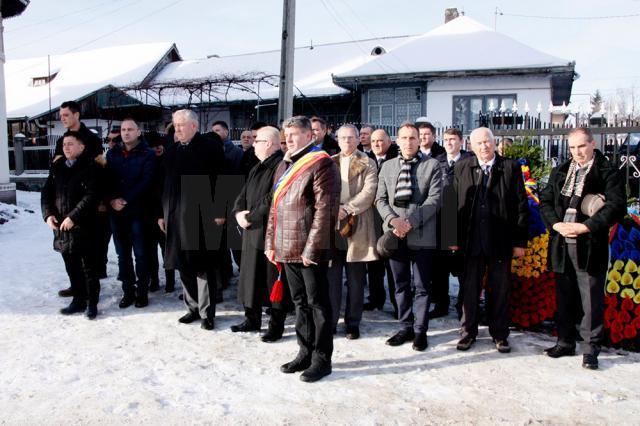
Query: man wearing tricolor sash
[[304, 210]]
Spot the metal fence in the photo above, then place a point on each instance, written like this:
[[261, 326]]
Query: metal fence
[[616, 138]]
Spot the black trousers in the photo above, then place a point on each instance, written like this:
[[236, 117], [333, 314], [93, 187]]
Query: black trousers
[[375, 275], [446, 263], [276, 318], [310, 294], [580, 298], [84, 282], [157, 237], [102, 237], [497, 295]]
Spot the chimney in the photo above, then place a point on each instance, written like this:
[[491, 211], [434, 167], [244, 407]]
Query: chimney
[[450, 14]]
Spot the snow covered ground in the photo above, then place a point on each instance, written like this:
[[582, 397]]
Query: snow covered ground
[[142, 366]]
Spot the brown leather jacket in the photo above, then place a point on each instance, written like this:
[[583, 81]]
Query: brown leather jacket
[[307, 213]]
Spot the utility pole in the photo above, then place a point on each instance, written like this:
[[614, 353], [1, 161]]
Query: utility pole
[[8, 9], [285, 101]]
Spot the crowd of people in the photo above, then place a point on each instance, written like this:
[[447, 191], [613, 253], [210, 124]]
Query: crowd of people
[[305, 216]]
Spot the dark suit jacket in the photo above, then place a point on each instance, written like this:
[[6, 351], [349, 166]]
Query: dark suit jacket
[[392, 152], [329, 145], [593, 247], [437, 149], [508, 200], [448, 229]]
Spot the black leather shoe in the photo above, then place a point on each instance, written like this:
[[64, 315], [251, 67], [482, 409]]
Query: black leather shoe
[[126, 301], [465, 343], [154, 285], [353, 333], [73, 308], [558, 351], [502, 345], [189, 317], [316, 372], [273, 334], [402, 336], [66, 292], [142, 301], [439, 312], [245, 326], [590, 361], [370, 306], [420, 342], [92, 312], [207, 324], [300, 363]]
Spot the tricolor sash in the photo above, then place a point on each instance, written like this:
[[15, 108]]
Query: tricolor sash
[[279, 190]]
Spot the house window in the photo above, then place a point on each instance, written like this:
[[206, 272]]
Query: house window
[[42, 81], [393, 106], [467, 109]]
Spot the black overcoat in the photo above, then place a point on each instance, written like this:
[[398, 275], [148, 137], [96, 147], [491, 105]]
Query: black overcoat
[[257, 275], [593, 247], [188, 202], [508, 200], [72, 192]]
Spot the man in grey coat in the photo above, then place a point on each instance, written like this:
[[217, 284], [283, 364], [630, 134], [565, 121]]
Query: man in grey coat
[[407, 200]]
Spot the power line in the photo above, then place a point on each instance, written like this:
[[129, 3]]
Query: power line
[[104, 35], [115, 30], [54, 18], [573, 18], [72, 27], [342, 24], [391, 52]]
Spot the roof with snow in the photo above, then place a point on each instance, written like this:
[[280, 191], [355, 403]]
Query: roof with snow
[[314, 66], [461, 45], [77, 75]]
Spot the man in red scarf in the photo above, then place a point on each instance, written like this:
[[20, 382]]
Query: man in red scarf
[[299, 238]]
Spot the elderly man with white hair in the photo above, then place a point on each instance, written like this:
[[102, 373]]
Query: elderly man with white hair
[[191, 219], [492, 229]]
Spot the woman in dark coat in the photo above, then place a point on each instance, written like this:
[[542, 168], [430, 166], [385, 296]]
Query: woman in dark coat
[[251, 208], [69, 200]]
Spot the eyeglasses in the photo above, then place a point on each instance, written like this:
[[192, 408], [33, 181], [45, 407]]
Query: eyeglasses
[[259, 140]]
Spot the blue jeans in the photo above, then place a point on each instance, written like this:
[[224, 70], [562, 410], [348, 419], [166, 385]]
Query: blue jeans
[[129, 235]]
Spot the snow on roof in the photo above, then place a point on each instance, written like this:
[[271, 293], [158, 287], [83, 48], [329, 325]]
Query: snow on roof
[[314, 66], [77, 75], [462, 44]]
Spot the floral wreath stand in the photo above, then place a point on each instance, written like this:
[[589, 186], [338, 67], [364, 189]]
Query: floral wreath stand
[[533, 294]]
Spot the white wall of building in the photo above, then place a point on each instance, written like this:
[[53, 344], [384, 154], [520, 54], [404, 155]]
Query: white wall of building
[[59, 129], [530, 89]]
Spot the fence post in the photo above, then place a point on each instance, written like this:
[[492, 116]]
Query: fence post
[[18, 152]]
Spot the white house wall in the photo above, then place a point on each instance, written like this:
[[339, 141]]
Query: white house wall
[[440, 93], [59, 129]]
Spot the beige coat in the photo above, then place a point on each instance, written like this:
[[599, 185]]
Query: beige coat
[[363, 183]]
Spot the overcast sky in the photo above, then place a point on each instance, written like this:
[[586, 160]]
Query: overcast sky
[[606, 51]]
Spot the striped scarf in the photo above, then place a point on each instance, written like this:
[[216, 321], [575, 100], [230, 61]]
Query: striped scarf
[[404, 188], [574, 184]]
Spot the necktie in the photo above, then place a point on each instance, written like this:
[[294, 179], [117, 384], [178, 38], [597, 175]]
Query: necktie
[[451, 163], [486, 169]]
